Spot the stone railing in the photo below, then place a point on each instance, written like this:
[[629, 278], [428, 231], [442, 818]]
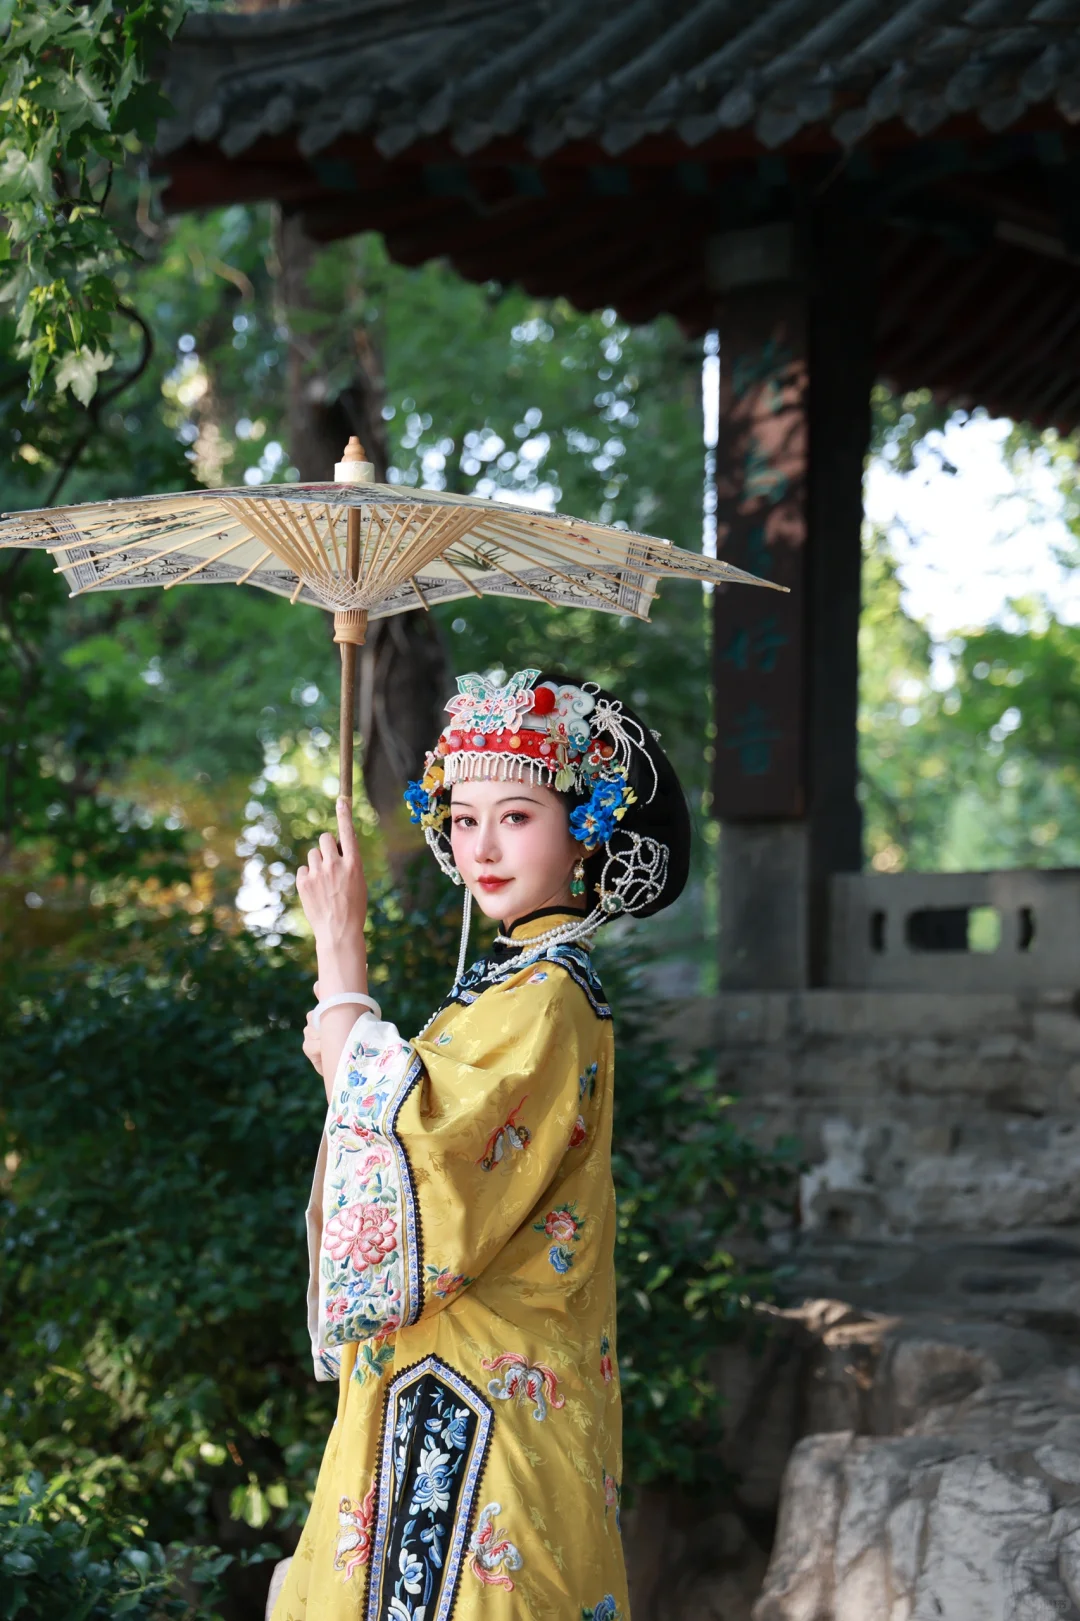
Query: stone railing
[[955, 931]]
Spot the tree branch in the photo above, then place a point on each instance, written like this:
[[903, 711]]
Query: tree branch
[[102, 399]]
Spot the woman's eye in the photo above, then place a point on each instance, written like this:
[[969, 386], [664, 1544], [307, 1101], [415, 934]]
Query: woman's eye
[[463, 821], [516, 817]]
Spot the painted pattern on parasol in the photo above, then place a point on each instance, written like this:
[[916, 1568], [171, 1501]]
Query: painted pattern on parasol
[[360, 549]]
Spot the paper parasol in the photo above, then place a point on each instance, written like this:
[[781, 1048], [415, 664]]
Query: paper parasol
[[363, 550]]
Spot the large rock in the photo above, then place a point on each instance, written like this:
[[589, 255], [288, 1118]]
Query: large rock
[[969, 1510], [879, 1397]]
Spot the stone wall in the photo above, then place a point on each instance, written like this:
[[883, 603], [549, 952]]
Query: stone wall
[[915, 1110], [911, 1425]]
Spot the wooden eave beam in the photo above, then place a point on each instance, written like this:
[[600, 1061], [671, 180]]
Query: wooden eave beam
[[983, 320], [1064, 319], [930, 327]]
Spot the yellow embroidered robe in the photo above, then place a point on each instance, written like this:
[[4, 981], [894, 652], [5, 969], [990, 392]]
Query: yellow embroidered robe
[[462, 1232]]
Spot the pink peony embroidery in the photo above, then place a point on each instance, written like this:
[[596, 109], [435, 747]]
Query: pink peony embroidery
[[561, 1225], [564, 1226], [444, 1283], [365, 1232], [578, 1134]]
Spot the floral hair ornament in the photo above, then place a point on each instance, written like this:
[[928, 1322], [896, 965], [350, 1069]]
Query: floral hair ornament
[[554, 735]]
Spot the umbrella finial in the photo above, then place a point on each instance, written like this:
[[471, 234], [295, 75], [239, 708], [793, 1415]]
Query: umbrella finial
[[354, 467]]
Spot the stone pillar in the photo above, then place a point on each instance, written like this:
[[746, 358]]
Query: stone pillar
[[795, 312]]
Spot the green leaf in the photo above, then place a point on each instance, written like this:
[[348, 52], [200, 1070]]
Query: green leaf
[[124, 83], [79, 370], [96, 108]]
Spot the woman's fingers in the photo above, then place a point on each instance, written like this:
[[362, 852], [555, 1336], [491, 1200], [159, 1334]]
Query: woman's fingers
[[328, 845], [350, 850]]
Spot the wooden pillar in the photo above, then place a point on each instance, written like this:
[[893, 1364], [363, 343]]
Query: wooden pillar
[[796, 320]]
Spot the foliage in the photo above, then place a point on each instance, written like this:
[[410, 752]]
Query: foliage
[[908, 770], [968, 752], [66, 724], [900, 423], [160, 1126], [68, 1561], [61, 1567], [76, 97], [52, 1568]]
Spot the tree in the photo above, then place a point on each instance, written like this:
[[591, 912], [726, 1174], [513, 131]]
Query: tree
[[76, 97], [976, 767]]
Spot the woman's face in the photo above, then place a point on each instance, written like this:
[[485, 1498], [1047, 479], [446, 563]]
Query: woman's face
[[513, 847]]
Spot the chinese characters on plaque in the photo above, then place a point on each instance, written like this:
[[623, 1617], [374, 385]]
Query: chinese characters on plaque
[[761, 463]]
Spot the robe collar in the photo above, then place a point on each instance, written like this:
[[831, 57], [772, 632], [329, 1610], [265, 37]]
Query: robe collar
[[529, 927], [536, 923]]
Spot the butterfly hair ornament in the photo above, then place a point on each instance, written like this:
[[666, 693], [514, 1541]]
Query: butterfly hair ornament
[[575, 739]]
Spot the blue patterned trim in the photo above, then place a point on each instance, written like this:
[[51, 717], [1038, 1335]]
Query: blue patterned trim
[[577, 964], [431, 1459], [483, 975], [413, 1305]]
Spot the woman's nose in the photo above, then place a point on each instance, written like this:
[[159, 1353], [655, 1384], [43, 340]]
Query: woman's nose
[[487, 842]]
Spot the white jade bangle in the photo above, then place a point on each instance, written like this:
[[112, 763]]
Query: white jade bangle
[[341, 999]]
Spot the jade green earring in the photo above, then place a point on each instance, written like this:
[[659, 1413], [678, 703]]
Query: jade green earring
[[577, 882]]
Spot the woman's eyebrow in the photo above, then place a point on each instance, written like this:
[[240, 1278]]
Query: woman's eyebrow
[[507, 799]]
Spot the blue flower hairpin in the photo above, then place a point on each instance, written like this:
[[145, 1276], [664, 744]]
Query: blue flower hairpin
[[593, 823]]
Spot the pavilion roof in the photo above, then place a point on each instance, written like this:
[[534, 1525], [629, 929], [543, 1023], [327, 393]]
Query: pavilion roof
[[595, 150], [550, 73]]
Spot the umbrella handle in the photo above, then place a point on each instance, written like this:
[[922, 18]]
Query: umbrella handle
[[347, 719], [350, 631], [350, 626]]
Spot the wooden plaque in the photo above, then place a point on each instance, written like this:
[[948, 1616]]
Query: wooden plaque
[[761, 468]]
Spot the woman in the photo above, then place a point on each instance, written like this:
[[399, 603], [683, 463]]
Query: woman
[[462, 1223]]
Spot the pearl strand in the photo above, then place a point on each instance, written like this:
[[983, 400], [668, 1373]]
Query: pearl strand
[[579, 930]]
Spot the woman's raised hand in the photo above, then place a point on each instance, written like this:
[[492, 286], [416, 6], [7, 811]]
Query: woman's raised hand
[[333, 892]]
